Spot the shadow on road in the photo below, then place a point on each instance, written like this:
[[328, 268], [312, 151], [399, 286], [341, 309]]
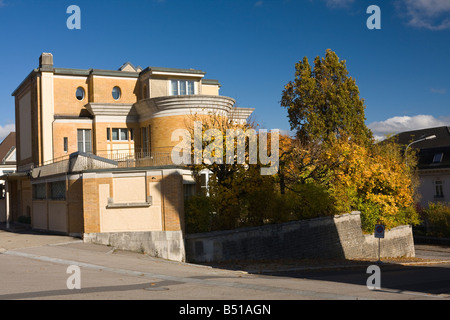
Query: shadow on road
[[395, 277], [162, 285]]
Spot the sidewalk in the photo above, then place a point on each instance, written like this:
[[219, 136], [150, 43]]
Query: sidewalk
[[22, 236]]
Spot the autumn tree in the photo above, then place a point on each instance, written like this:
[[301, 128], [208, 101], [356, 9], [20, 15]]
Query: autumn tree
[[376, 181], [335, 150], [238, 194], [323, 102], [213, 131]]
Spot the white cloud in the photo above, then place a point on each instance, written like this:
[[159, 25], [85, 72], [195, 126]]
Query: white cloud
[[338, 3], [438, 90], [5, 130], [428, 14], [396, 125], [259, 3], [335, 4], [2, 3]]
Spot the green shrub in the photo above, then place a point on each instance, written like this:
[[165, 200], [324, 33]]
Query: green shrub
[[198, 214], [307, 201], [437, 219], [370, 216], [226, 209]]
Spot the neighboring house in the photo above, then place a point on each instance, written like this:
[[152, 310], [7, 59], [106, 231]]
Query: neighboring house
[[8, 155], [7, 166], [93, 146], [433, 162]]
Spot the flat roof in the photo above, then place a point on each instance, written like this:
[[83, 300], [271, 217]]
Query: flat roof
[[112, 73]]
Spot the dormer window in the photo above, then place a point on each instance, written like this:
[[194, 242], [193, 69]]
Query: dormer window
[[438, 157], [182, 87]]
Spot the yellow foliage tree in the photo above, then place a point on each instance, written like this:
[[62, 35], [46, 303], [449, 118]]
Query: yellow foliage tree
[[374, 180]]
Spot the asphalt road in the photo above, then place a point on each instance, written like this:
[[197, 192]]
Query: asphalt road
[[37, 267]]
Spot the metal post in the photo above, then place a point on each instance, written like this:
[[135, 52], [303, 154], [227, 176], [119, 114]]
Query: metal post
[[7, 209], [379, 250]]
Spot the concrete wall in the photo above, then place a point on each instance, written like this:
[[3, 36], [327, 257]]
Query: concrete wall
[[329, 237], [161, 244]]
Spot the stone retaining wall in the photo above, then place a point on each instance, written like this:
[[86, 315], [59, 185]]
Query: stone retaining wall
[[328, 237]]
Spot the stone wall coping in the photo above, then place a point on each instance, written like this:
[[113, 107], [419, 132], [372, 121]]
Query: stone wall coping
[[268, 226]]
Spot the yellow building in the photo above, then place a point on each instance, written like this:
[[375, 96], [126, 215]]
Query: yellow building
[[93, 146]]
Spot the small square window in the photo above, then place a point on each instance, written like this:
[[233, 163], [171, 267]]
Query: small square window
[[438, 157], [119, 134], [39, 191], [58, 190]]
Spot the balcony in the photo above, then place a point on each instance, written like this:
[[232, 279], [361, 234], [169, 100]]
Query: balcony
[[137, 159], [183, 105], [80, 161]]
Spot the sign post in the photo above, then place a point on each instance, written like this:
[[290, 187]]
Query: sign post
[[379, 233]]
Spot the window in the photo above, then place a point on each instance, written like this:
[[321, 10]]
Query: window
[[131, 135], [439, 192], [84, 140], [116, 93], [438, 157], [145, 134], [66, 144], [58, 190], [188, 190], [119, 134], [39, 191], [80, 93], [182, 87]]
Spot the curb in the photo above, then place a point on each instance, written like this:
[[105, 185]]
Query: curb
[[431, 240], [362, 265]]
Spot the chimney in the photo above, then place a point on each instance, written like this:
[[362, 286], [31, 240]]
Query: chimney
[[46, 62]]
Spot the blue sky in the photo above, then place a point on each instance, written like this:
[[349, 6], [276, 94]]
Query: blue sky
[[251, 47]]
